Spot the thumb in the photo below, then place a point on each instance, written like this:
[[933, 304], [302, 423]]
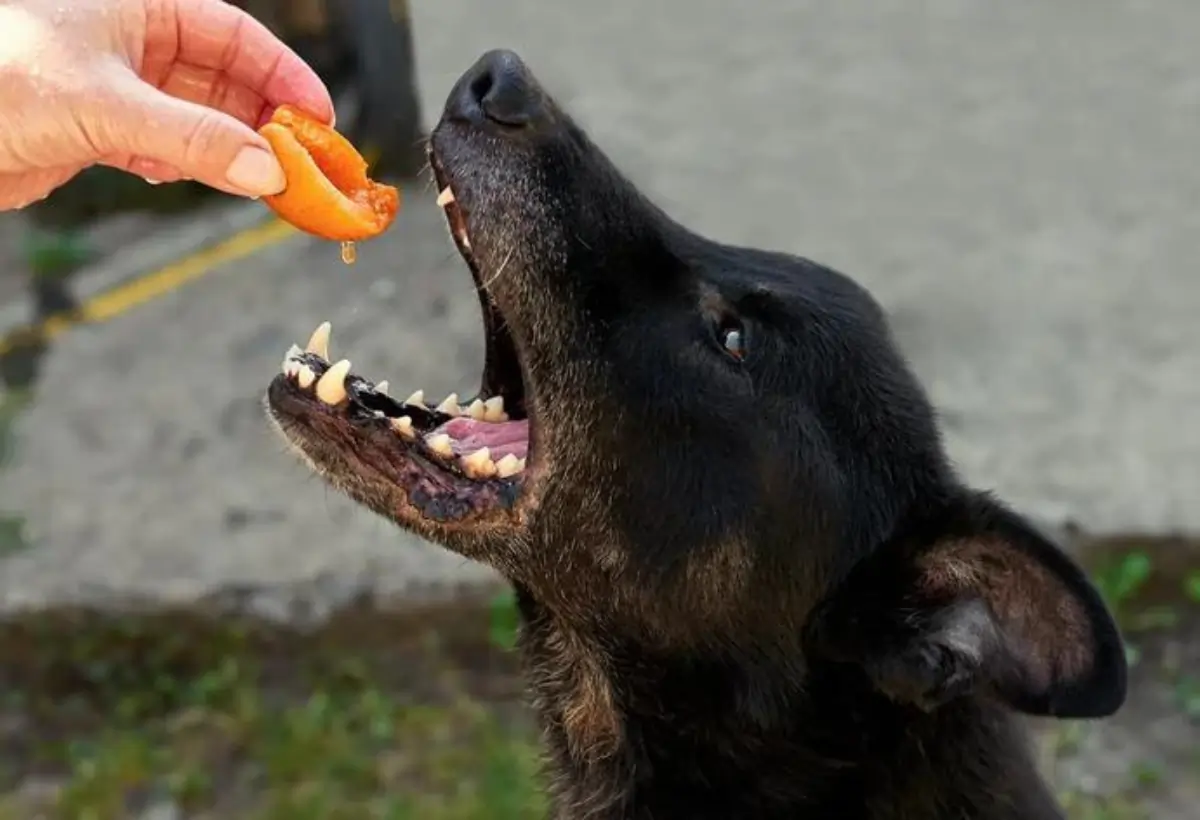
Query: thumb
[[203, 143]]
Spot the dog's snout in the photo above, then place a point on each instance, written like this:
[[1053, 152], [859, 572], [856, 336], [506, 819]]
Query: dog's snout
[[497, 89]]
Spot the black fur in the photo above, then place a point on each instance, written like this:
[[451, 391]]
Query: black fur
[[751, 587]]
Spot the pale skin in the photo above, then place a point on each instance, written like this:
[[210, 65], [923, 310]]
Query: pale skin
[[165, 89]]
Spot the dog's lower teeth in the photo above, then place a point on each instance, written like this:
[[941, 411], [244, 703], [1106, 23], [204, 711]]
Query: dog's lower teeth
[[479, 464], [510, 465], [477, 411], [417, 399], [440, 444], [318, 343], [305, 376], [382, 387], [331, 388], [403, 426], [493, 409]]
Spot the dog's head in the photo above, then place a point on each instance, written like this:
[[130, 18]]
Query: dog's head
[[691, 445]]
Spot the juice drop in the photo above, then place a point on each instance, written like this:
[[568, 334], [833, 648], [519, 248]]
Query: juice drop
[[349, 253]]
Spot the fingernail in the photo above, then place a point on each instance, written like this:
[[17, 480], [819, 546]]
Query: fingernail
[[256, 172]]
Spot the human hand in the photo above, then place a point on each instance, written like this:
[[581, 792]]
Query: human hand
[[166, 89]]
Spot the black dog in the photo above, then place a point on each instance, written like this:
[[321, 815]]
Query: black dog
[[751, 586]]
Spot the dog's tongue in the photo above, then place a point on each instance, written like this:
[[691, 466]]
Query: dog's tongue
[[501, 438]]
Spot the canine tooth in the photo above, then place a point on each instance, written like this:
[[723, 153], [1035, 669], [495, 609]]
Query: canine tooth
[[449, 405], [509, 465], [331, 389], [493, 409], [318, 343], [382, 387], [479, 464], [445, 197], [440, 444], [416, 399], [306, 376], [477, 410], [403, 426]]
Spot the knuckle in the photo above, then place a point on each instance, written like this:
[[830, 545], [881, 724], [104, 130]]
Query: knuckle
[[204, 138]]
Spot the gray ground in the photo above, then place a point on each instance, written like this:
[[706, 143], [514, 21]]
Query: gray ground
[[1016, 182]]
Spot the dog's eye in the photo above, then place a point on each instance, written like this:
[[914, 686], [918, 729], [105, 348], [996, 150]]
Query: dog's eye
[[733, 338]]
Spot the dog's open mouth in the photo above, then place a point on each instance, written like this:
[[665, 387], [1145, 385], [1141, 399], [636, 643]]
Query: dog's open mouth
[[446, 461]]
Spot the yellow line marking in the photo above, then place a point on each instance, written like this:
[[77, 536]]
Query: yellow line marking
[[111, 303]]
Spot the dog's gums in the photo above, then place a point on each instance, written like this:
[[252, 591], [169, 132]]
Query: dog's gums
[[750, 583]]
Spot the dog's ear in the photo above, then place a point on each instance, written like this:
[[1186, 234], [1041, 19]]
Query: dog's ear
[[976, 600]]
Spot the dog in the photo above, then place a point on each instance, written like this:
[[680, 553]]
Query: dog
[[750, 583]]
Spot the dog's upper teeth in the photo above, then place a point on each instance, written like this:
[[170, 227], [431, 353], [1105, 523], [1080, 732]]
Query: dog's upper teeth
[[493, 409], [445, 197], [417, 399], [403, 426], [477, 410], [509, 465], [479, 464], [440, 444], [449, 405], [318, 343], [331, 388], [306, 376], [382, 387]]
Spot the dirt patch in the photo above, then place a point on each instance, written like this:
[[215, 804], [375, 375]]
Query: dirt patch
[[420, 713]]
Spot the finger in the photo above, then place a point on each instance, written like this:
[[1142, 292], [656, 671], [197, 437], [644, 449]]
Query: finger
[[152, 170], [215, 89], [203, 143], [223, 37]]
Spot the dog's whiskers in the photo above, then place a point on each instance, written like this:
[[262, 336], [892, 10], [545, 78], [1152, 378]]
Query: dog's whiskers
[[499, 271]]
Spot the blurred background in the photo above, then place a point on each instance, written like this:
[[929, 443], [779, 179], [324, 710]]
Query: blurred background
[[195, 627]]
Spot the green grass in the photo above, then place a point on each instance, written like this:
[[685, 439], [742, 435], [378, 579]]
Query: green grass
[[55, 254], [364, 754], [132, 715], [1122, 577]]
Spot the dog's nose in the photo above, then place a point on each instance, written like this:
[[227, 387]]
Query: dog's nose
[[497, 89]]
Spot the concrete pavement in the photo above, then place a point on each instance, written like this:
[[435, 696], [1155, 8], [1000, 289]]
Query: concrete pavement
[[1016, 182]]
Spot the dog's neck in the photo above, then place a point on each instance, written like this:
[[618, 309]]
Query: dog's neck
[[634, 737]]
